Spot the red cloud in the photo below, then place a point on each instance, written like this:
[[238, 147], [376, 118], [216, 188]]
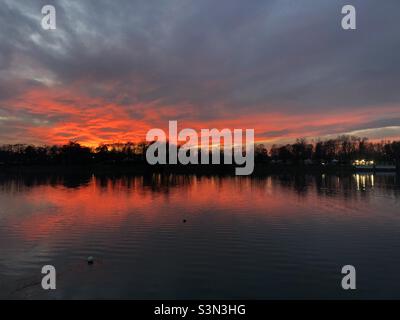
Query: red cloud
[[68, 114]]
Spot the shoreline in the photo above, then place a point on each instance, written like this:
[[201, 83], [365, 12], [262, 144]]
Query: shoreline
[[144, 168]]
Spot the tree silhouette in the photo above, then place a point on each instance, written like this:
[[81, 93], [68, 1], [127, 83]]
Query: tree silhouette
[[343, 149]]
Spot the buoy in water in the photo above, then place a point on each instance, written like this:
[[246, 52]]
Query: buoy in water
[[90, 260]]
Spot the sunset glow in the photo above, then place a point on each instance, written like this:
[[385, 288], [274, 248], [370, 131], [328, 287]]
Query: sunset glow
[[95, 82]]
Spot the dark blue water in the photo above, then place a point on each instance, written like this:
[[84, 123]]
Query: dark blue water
[[260, 237]]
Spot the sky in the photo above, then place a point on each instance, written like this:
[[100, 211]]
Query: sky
[[112, 70]]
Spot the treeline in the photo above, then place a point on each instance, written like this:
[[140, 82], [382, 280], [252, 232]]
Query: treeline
[[72, 153], [343, 149]]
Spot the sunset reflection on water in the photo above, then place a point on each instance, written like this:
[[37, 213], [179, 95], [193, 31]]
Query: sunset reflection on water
[[264, 232]]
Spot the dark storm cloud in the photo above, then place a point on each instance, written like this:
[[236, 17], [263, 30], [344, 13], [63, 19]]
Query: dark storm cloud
[[233, 56]]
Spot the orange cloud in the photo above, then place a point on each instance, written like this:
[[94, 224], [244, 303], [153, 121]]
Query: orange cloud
[[56, 115]]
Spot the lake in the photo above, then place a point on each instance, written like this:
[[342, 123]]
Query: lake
[[199, 237]]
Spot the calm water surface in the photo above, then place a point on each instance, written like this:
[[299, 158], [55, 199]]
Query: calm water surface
[[260, 237]]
